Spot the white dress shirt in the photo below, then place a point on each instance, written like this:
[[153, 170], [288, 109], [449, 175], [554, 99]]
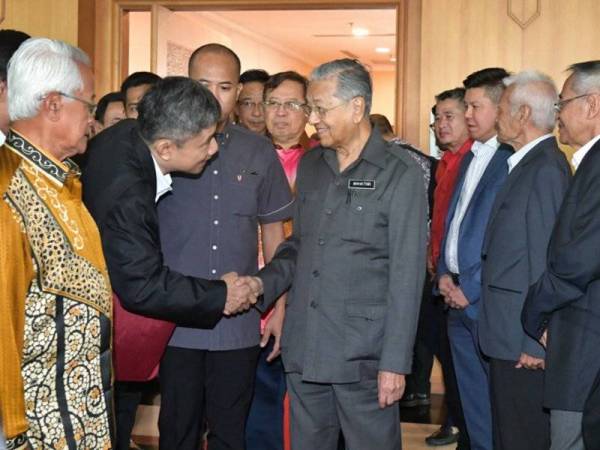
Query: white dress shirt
[[483, 153], [518, 155], [2, 139], [163, 182], [580, 154]]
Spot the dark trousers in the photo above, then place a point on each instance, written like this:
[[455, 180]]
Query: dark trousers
[[472, 376], [199, 385], [591, 417], [519, 420], [128, 395], [264, 428]]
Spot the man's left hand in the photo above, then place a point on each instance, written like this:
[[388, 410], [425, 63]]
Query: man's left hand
[[274, 327], [390, 387], [530, 362]]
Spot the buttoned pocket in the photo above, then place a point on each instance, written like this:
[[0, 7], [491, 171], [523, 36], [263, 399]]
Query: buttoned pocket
[[243, 199], [364, 330], [362, 223]]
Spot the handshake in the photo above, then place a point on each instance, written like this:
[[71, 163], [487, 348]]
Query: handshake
[[242, 292]]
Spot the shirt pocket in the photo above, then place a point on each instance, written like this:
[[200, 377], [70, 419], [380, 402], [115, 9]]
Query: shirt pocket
[[363, 222], [364, 327], [243, 198]]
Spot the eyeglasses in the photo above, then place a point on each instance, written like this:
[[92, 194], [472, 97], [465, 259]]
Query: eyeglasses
[[559, 105], [91, 106], [247, 104], [322, 112], [289, 106]]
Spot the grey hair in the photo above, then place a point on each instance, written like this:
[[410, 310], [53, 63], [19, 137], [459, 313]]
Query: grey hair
[[41, 66], [176, 108], [353, 80], [538, 91], [586, 77]]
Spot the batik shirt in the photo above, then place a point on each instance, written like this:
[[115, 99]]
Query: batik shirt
[[55, 306]]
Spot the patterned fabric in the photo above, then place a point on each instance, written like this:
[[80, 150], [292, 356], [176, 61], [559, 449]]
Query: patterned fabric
[[65, 354]]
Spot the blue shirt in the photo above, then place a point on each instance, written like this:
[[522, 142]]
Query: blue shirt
[[209, 226]]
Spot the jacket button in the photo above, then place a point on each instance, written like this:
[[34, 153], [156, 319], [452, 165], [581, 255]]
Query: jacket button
[[313, 304], [321, 241], [316, 273], [483, 257]]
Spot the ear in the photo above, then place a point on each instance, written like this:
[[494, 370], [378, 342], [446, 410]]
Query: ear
[[238, 90], [3, 91], [593, 102], [358, 109], [164, 149], [524, 114], [51, 106]]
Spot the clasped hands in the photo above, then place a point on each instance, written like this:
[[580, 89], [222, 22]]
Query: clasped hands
[[453, 294], [242, 292]]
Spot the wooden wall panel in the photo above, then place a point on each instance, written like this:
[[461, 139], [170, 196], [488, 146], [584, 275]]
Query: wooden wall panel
[[56, 19]]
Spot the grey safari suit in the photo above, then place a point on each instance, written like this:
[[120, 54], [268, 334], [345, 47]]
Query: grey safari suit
[[355, 263]]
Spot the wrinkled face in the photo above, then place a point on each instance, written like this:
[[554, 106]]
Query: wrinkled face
[[220, 74], [286, 124], [570, 124], [249, 107], [192, 156], [508, 126], [481, 114], [76, 117], [334, 123], [450, 125], [133, 97]]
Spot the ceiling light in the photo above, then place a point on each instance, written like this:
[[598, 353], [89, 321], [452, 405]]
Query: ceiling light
[[382, 50], [393, 59], [359, 32]]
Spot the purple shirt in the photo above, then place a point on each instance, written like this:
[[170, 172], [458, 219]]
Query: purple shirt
[[209, 226]]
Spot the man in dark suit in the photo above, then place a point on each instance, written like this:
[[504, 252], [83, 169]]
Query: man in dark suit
[[482, 174], [127, 172], [514, 256], [562, 309]]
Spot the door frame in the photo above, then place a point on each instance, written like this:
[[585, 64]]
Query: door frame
[[110, 21]]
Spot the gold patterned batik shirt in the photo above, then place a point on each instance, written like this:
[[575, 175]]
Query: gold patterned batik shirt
[[61, 321]]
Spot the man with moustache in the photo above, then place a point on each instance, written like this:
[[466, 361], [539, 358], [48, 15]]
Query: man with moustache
[[209, 226], [452, 136], [249, 108], [562, 309], [356, 262], [482, 174], [514, 257]]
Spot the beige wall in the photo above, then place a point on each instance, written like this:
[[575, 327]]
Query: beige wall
[[460, 36], [56, 19], [384, 92]]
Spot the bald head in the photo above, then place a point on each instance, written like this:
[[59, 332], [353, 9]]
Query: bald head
[[215, 49]]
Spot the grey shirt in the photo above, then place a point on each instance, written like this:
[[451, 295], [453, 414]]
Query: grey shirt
[[209, 226], [356, 264]]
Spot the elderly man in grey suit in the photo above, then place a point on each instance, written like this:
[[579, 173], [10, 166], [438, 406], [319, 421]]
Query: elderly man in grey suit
[[514, 257], [356, 263]]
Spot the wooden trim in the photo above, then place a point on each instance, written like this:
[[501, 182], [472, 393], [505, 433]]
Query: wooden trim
[[124, 46], [408, 41], [2, 10], [154, 37]]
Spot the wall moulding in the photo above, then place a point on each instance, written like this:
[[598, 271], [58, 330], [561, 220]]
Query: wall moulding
[[524, 12]]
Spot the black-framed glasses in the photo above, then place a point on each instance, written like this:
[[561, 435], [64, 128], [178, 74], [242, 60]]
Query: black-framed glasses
[[250, 105], [559, 105], [289, 106], [90, 106], [322, 112]]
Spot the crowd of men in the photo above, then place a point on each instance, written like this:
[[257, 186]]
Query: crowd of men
[[202, 234]]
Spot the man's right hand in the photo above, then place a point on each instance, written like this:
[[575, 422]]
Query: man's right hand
[[240, 296]]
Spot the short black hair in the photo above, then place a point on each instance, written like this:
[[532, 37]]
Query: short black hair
[[176, 108], [457, 94], [215, 48], [10, 40], [382, 123], [490, 79], [103, 103], [254, 75], [138, 79], [280, 77]]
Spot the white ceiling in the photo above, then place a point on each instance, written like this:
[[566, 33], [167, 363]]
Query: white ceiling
[[294, 31]]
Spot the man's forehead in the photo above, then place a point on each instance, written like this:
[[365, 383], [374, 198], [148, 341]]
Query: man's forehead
[[476, 94], [448, 105]]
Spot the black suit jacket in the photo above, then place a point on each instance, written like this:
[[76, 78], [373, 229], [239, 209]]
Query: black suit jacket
[[119, 188], [566, 298], [515, 245]]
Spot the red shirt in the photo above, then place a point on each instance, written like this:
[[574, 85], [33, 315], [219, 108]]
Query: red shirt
[[445, 177]]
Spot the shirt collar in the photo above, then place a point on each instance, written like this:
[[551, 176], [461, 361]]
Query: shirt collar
[[374, 151], [580, 154], [517, 156], [460, 152], [2, 138], [57, 171], [163, 181], [479, 147]]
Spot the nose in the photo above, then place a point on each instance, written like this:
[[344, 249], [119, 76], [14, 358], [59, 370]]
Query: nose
[[469, 112], [213, 148], [313, 117], [257, 110]]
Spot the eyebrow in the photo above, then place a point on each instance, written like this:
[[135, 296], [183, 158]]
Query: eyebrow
[[203, 80]]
